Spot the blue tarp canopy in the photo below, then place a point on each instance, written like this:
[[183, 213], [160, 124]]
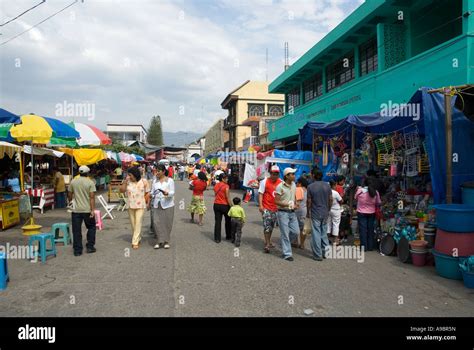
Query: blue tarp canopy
[[284, 159], [429, 120], [137, 157]]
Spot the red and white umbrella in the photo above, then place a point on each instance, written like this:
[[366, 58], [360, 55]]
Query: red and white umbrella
[[91, 136]]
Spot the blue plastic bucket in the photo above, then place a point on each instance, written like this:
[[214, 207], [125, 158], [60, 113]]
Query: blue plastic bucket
[[468, 278], [468, 193], [447, 266], [455, 217]]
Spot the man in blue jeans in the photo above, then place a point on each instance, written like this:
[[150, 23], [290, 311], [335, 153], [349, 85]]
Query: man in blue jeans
[[285, 199], [319, 204]]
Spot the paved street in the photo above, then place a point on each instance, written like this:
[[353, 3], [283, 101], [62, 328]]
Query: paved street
[[198, 277]]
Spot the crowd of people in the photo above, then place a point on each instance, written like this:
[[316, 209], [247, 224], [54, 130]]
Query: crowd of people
[[299, 207]]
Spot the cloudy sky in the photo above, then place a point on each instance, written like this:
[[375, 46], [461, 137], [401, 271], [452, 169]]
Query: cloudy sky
[[132, 59]]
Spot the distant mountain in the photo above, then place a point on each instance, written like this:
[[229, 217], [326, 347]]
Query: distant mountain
[[180, 138]]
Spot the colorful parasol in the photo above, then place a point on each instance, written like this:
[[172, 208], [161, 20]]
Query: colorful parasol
[[91, 136]]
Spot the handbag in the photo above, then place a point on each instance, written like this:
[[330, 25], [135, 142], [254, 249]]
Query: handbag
[[191, 186]]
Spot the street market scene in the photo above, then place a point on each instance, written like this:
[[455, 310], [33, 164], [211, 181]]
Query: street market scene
[[335, 181]]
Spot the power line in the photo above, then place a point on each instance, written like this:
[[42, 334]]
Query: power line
[[37, 24], [21, 14]]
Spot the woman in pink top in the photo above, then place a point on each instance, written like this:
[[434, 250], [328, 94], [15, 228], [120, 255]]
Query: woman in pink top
[[367, 200]]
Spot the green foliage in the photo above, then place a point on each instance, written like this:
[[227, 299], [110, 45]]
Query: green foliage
[[118, 147], [155, 132]]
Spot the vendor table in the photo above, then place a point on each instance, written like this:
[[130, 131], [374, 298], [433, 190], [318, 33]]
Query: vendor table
[[9, 213], [46, 196]]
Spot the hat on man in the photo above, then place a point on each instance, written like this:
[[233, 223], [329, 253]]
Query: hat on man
[[83, 169], [275, 169], [289, 171]]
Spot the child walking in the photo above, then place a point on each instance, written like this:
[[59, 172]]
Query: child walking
[[237, 217]]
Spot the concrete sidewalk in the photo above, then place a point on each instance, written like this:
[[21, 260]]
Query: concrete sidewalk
[[198, 277]]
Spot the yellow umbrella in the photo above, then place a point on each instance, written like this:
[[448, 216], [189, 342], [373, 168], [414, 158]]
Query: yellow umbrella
[[33, 128]]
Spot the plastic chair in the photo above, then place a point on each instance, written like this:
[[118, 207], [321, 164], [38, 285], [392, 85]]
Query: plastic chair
[[64, 228], [43, 251], [4, 278], [98, 220], [107, 207]]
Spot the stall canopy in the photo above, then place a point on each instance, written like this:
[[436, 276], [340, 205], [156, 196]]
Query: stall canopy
[[429, 120], [301, 160], [8, 149], [86, 156], [90, 135], [37, 151]]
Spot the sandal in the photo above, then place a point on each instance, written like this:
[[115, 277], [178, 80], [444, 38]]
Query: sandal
[[134, 246], [266, 249]]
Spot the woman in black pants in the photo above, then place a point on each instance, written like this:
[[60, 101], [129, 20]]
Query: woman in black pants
[[222, 204]]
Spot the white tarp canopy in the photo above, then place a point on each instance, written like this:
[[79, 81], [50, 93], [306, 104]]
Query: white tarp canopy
[[42, 151]]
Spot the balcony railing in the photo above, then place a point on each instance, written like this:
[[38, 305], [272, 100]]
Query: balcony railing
[[250, 141], [276, 115]]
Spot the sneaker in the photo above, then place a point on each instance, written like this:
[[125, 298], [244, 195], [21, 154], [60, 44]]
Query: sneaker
[[317, 258], [290, 258], [91, 250], [157, 246], [77, 254], [166, 246]]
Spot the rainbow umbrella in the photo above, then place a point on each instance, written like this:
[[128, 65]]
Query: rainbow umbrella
[[90, 135]]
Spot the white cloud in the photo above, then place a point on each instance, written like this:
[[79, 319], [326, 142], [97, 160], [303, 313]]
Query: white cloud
[[136, 59]]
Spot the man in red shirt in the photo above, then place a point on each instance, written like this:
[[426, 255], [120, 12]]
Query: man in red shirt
[[267, 206], [170, 171]]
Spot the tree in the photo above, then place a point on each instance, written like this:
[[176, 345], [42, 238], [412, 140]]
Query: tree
[[155, 132]]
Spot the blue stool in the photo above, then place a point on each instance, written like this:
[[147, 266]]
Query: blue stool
[[64, 228], [3, 271], [43, 239]]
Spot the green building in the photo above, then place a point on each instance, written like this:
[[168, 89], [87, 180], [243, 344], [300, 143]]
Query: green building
[[381, 54]]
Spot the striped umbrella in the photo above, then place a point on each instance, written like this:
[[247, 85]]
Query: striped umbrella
[[90, 135]]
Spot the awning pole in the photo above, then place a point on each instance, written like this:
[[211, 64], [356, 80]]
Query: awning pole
[[351, 172], [449, 145]]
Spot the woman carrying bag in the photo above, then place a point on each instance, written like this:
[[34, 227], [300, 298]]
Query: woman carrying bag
[[163, 207]]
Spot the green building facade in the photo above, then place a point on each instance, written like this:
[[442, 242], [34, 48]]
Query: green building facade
[[381, 54]]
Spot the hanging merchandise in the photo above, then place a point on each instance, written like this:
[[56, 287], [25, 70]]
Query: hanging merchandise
[[397, 141], [410, 166], [393, 169], [383, 145], [423, 164], [412, 142], [325, 153]]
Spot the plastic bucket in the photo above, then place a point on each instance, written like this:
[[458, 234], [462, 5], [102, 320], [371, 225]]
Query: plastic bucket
[[418, 258], [450, 242], [455, 217], [430, 238], [468, 278], [447, 266], [468, 193]]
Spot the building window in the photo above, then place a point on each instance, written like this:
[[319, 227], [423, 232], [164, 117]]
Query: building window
[[313, 87], [293, 98], [341, 72], [368, 57], [275, 110], [256, 110]]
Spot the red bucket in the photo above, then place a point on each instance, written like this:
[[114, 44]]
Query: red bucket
[[418, 258]]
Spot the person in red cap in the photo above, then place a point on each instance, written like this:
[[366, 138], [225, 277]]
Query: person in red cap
[[267, 205]]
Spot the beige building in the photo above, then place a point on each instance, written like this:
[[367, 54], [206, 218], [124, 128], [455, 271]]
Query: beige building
[[250, 107], [216, 136]]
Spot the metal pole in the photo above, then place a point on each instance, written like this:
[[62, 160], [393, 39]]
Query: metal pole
[[351, 192], [449, 145]]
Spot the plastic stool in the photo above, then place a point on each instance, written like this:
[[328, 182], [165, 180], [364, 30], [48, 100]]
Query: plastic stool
[[64, 228], [4, 278], [43, 239], [98, 220]]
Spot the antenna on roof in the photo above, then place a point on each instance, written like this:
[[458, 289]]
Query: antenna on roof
[[287, 55]]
